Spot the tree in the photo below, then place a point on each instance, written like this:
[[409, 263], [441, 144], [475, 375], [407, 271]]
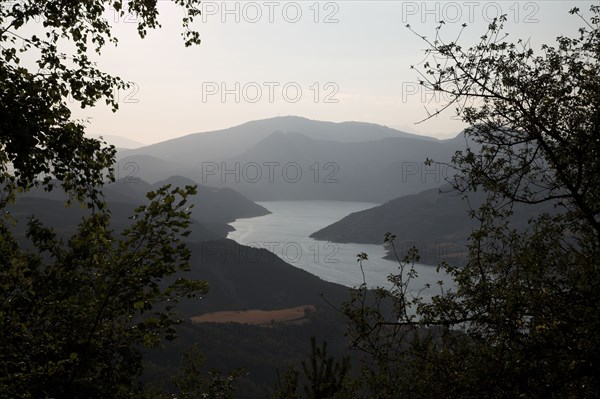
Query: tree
[[522, 320], [191, 382], [325, 376], [37, 134], [74, 314]]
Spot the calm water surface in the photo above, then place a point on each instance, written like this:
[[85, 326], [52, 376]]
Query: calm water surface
[[285, 232]]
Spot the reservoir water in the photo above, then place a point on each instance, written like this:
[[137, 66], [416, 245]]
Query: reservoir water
[[285, 232]]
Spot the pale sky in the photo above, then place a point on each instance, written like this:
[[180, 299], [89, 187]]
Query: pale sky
[[326, 60]]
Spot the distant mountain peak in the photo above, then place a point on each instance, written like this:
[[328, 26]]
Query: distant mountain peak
[[177, 180], [256, 160], [119, 141]]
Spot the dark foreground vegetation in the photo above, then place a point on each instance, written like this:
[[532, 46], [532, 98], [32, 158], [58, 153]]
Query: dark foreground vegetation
[[95, 312]]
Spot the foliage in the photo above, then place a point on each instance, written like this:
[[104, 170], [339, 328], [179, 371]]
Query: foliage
[[74, 314], [522, 320], [325, 377], [192, 385], [39, 71]]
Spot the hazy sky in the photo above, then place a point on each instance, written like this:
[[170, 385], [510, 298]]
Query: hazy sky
[[335, 61]]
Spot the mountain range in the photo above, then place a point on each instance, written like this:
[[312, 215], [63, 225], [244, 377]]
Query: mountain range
[[284, 158], [239, 277], [435, 221], [225, 143], [118, 141], [293, 158], [213, 208]]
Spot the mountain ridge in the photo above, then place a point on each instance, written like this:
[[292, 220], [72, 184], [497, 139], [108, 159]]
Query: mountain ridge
[[435, 221], [249, 133]]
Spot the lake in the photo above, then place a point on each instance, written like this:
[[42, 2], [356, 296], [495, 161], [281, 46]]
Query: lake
[[285, 232]]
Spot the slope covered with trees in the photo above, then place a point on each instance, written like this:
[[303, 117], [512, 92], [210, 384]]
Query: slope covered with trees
[[74, 313], [522, 320]]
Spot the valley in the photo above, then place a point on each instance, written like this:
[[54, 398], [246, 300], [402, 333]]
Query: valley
[[277, 223]]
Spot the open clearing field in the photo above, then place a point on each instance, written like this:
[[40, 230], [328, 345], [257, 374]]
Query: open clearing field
[[256, 317]]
